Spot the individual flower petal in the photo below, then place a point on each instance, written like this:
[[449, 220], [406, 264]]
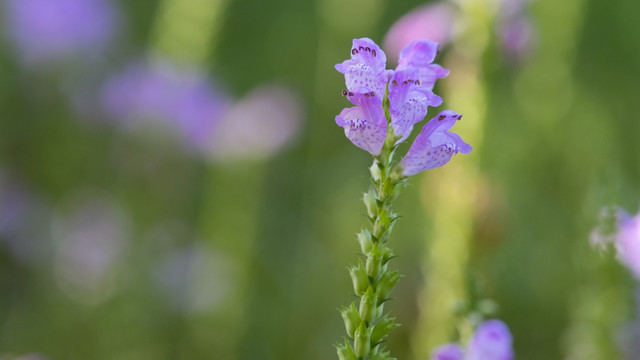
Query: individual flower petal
[[433, 21], [409, 101], [434, 146], [448, 352], [491, 341], [365, 124], [420, 54], [365, 71]]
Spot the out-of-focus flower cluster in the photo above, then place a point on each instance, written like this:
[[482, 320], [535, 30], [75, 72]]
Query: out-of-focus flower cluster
[[443, 22], [156, 94]]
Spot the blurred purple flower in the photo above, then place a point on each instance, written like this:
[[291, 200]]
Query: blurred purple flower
[[182, 101], [433, 21], [53, 30], [90, 240], [266, 120], [516, 31], [623, 230], [448, 352], [410, 91], [516, 36], [435, 145], [491, 341]]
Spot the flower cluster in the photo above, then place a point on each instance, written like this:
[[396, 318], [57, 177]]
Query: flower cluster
[[491, 341], [407, 93]]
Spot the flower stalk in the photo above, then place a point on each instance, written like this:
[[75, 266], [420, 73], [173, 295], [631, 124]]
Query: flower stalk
[[373, 281]]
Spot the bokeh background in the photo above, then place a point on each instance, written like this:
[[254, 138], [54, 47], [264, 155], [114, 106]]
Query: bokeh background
[[173, 184]]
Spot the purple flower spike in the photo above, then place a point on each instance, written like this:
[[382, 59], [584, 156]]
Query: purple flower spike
[[409, 101], [434, 146], [448, 352], [420, 54], [491, 341], [364, 124], [365, 72]]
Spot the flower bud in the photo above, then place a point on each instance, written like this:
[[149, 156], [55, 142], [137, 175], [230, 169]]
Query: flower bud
[[371, 203], [345, 352], [382, 328], [364, 238], [368, 306], [359, 278], [386, 284], [374, 262], [351, 319], [362, 341], [375, 171]]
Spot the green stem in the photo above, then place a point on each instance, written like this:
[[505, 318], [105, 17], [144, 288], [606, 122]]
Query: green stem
[[366, 325]]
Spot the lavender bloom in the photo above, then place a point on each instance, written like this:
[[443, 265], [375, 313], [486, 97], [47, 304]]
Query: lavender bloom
[[52, 30], [491, 341], [410, 91], [266, 120], [625, 235], [365, 71], [434, 146], [448, 352], [409, 100], [365, 124], [181, 101], [420, 54], [432, 21]]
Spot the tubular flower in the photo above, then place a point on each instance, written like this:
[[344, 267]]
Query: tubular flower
[[406, 93], [435, 145], [364, 124]]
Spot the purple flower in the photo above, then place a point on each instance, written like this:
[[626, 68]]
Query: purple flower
[[410, 91], [365, 71], [364, 124], [52, 30], [432, 21], [625, 235], [434, 146], [420, 55], [264, 121], [409, 100], [448, 352], [491, 341], [182, 101]]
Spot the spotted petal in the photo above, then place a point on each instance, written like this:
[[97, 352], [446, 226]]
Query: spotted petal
[[409, 101], [435, 145], [364, 124], [365, 71]]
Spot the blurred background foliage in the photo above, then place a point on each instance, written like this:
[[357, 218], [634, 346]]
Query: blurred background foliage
[[174, 186]]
